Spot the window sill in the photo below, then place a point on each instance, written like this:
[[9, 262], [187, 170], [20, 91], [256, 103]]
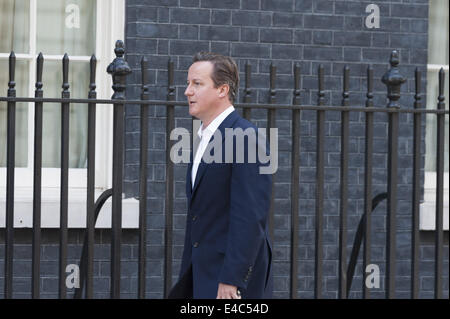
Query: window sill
[[427, 209], [428, 216], [50, 209]]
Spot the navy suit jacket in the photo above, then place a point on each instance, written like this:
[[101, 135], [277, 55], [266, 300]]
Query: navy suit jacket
[[227, 237]]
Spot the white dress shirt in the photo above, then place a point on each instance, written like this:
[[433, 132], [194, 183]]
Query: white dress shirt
[[205, 136]]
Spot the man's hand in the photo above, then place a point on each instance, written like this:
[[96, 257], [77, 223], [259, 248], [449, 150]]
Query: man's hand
[[227, 292]]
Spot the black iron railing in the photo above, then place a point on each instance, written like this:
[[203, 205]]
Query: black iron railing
[[119, 70]]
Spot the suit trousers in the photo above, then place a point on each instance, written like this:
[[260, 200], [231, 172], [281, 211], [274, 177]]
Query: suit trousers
[[184, 287]]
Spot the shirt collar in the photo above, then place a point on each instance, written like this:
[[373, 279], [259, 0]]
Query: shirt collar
[[212, 127]]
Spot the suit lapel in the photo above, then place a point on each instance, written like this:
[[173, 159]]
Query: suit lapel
[[202, 167]]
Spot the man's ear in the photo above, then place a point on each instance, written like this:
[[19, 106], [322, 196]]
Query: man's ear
[[223, 90]]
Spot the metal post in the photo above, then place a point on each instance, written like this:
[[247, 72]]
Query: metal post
[[10, 163], [271, 123], [344, 189], [393, 80], [368, 180], [248, 91], [416, 188], [320, 146], [295, 182], [119, 69], [143, 181], [65, 111], [439, 235], [168, 232], [90, 200], [37, 187]]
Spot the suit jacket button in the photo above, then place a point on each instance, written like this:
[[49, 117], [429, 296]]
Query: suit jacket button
[[196, 244], [194, 218]]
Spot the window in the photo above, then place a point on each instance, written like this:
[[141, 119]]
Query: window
[[79, 28], [437, 59]]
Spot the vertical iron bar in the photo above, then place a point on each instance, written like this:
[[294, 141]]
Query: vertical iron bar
[[271, 124], [439, 245], [170, 123], [319, 186], [117, 199], [393, 81], [248, 91], [119, 69], [344, 189], [416, 188], [143, 179], [295, 182], [10, 163], [65, 111], [392, 202], [90, 196], [368, 180], [36, 245]]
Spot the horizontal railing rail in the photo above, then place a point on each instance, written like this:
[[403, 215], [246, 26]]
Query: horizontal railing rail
[[238, 105]]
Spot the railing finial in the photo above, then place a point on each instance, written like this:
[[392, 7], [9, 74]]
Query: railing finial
[[12, 75], [119, 69], [393, 80], [120, 49]]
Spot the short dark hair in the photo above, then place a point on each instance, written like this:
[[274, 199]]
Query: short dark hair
[[225, 71]]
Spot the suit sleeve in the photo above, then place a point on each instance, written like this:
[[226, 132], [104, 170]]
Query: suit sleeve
[[249, 207]]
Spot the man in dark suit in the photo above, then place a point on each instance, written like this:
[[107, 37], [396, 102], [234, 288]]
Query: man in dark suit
[[227, 251]]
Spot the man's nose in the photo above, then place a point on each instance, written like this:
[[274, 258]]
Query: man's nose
[[188, 91]]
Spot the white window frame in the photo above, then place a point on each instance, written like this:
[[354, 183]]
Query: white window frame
[[427, 220], [428, 206], [110, 15]]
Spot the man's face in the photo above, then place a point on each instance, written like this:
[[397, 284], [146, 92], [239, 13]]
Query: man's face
[[203, 97]]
